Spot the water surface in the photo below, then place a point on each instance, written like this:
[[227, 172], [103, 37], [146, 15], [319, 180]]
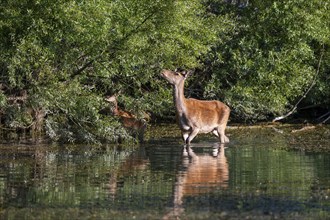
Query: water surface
[[257, 175]]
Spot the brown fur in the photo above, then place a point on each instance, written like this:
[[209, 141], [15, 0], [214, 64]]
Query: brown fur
[[129, 120], [197, 116]]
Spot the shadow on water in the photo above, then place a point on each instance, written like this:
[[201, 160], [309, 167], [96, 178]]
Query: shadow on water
[[253, 177]]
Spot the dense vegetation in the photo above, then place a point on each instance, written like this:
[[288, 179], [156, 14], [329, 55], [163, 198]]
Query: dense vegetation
[[60, 58]]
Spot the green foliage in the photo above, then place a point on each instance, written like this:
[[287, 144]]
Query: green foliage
[[73, 115], [269, 57], [68, 54], [2, 100], [259, 57]]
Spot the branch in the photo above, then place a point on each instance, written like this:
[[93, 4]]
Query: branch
[[286, 115], [323, 122], [307, 91], [323, 116], [81, 69]]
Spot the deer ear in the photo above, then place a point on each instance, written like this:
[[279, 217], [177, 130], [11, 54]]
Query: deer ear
[[187, 73]]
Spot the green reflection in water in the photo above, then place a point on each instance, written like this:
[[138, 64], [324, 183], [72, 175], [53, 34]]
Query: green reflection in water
[[253, 177]]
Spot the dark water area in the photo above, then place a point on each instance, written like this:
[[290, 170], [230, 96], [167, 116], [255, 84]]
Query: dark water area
[[264, 173]]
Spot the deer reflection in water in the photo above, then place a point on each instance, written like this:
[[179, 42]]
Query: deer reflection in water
[[201, 174], [137, 161]]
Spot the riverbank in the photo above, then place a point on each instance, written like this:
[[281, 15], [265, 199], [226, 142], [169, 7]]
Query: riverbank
[[302, 137]]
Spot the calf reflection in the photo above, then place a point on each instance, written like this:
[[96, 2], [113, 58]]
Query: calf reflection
[[201, 174], [137, 161]]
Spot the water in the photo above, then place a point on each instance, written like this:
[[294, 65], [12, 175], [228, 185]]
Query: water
[[256, 176]]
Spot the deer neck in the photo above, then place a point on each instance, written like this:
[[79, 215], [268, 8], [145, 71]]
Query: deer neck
[[115, 108], [179, 99]]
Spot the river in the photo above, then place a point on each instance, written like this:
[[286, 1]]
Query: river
[[263, 173]]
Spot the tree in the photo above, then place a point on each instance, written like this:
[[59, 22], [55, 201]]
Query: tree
[[59, 59], [269, 56], [66, 55]]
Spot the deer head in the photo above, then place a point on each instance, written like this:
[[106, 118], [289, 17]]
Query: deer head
[[113, 101], [175, 77]]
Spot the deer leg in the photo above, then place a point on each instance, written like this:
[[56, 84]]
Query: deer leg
[[141, 131], [193, 134], [215, 132], [226, 139], [221, 132], [141, 136], [185, 136]]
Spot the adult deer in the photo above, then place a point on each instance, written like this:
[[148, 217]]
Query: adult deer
[[129, 121], [196, 116]]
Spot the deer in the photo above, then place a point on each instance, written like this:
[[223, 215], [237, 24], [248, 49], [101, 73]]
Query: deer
[[196, 116], [129, 120]]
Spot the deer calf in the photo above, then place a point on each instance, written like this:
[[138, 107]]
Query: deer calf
[[129, 121], [196, 116]]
